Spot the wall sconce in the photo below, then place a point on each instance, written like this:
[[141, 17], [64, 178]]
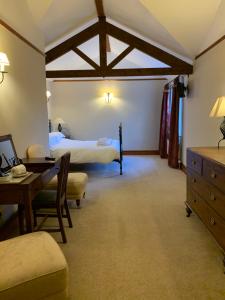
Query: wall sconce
[[48, 95], [108, 97], [3, 62]]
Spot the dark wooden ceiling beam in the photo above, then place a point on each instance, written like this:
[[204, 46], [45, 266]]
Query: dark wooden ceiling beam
[[113, 72], [72, 42], [86, 58], [100, 8], [102, 45], [120, 57], [147, 48]]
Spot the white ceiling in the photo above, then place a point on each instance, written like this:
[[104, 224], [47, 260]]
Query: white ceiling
[[182, 26]]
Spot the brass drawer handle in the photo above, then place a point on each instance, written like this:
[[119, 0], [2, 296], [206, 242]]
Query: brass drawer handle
[[193, 162], [193, 180], [195, 200], [212, 221], [213, 175], [212, 196]]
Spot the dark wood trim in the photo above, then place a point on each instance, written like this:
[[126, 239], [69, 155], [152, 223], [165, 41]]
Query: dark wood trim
[[103, 29], [86, 58], [210, 47], [141, 152], [112, 73], [13, 31], [72, 42], [120, 57], [149, 49], [99, 80], [99, 8], [102, 46]]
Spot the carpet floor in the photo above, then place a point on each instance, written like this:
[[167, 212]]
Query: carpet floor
[[131, 238]]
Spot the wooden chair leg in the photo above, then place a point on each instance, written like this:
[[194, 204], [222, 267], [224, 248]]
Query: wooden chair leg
[[61, 226], [68, 214], [21, 218]]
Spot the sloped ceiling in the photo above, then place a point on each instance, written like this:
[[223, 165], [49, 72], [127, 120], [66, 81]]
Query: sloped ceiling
[[188, 21], [181, 26]]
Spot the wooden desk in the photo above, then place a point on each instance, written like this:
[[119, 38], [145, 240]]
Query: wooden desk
[[24, 192]]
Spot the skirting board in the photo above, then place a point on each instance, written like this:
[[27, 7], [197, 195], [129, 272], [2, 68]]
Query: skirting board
[[141, 152]]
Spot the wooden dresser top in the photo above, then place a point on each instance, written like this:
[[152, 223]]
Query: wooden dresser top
[[211, 152]]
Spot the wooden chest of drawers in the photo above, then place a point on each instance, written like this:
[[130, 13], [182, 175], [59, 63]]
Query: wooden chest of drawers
[[206, 189]]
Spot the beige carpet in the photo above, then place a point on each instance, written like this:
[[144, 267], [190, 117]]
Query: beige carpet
[[132, 240]]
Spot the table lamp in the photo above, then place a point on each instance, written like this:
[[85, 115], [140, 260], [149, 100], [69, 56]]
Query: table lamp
[[218, 110]]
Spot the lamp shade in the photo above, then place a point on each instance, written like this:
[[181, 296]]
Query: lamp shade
[[4, 59], [218, 109]]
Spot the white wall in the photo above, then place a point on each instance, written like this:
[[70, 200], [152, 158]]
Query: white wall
[[23, 108], [137, 104], [206, 84]]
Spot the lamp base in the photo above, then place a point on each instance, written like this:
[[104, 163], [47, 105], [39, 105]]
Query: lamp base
[[222, 129]]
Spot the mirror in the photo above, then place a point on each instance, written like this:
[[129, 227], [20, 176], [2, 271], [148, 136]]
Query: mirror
[[8, 156]]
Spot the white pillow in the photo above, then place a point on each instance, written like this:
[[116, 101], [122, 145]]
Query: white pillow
[[55, 137]]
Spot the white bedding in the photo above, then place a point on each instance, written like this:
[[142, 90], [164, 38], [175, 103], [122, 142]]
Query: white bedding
[[86, 151]]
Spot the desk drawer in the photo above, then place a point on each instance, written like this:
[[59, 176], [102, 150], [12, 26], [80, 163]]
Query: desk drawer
[[214, 173], [194, 162], [209, 217]]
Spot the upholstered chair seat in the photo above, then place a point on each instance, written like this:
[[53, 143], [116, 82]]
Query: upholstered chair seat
[[76, 186], [33, 267]]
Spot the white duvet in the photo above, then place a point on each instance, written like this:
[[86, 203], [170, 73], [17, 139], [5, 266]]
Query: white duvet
[[86, 151]]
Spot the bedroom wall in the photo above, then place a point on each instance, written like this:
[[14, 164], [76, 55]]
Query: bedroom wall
[[23, 109], [137, 104], [206, 84]]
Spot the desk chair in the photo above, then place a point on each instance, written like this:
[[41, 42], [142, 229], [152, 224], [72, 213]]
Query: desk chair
[[54, 199], [76, 184]]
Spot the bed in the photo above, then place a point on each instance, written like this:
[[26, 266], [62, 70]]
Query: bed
[[87, 151]]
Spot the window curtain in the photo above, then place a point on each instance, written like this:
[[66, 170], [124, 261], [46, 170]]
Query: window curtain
[[163, 125], [169, 127]]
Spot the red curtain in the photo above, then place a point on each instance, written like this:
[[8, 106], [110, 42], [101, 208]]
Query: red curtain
[[163, 125], [173, 138], [168, 140]]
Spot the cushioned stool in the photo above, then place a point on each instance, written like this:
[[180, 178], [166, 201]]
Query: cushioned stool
[[76, 186], [33, 267]]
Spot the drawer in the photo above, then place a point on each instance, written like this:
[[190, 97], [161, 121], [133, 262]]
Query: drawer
[[215, 199], [214, 173], [194, 162], [196, 182], [209, 217]]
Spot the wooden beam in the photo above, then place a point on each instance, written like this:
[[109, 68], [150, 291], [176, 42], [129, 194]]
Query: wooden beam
[[99, 8], [120, 57], [72, 42], [112, 72], [147, 48], [73, 73], [102, 45], [86, 58], [101, 80]]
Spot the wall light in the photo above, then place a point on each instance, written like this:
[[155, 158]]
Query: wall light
[[48, 95], [108, 97], [3, 62]]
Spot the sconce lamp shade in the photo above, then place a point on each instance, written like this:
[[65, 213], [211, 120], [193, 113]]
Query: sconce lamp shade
[[48, 94], [3, 61], [108, 97], [218, 109]]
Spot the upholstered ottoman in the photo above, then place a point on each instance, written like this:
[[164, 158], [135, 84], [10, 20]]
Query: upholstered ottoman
[[32, 267], [76, 186]]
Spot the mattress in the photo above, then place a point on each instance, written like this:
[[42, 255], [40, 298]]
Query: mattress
[[86, 151]]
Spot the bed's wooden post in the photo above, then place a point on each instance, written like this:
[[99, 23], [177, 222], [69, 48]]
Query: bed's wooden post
[[121, 149]]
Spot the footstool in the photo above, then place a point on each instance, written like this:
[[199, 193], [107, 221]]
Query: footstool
[[76, 186], [33, 267]]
